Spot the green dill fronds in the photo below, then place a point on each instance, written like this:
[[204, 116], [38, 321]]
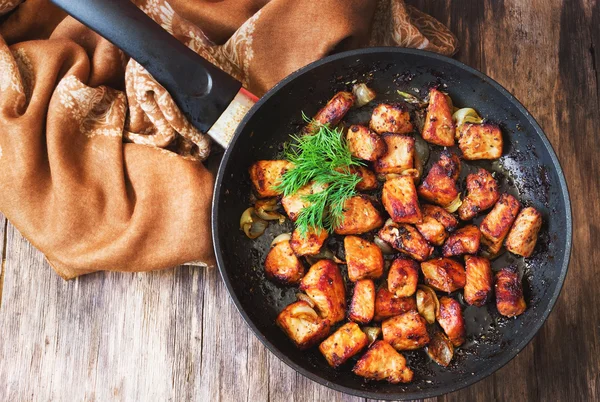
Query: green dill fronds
[[324, 159]]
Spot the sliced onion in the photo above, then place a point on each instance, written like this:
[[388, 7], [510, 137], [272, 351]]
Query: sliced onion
[[324, 254], [304, 297], [454, 205], [415, 174], [251, 224], [466, 115], [265, 209], [428, 304], [280, 238], [410, 98], [363, 94], [440, 349], [372, 333], [383, 246]]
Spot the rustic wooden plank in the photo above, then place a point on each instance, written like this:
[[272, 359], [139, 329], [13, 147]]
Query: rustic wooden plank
[[176, 335], [107, 336], [3, 227], [548, 46]]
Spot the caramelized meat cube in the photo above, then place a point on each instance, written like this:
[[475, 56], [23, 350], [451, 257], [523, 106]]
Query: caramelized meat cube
[[332, 112], [406, 332], [463, 241], [283, 265], [364, 259], [439, 187], [482, 194], [344, 343], [406, 239], [524, 233], [390, 119], [441, 215], [360, 216], [310, 244], [399, 155], [364, 143], [266, 175], [480, 141], [444, 274], [478, 286], [451, 320], [439, 126], [403, 277], [400, 200], [302, 324], [497, 223], [369, 180], [382, 362], [509, 293], [294, 203], [437, 222], [323, 283], [387, 305], [362, 306]]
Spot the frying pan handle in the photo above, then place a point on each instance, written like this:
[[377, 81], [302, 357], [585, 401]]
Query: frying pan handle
[[202, 91]]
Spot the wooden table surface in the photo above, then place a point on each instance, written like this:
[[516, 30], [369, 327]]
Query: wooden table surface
[[175, 335]]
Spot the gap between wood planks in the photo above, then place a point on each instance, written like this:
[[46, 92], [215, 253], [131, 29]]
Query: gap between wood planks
[[3, 262]]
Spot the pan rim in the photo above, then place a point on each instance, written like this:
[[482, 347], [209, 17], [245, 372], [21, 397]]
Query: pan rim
[[400, 395]]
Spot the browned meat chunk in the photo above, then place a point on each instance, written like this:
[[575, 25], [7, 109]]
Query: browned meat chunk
[[310, 244], [362, 306], [364, 143], [369, 180], [497, 223], [403, 277], [282, 264], [360, 216], [302, 324], [390, 119], [451, 320], [524, 233], [399, 155], [509, 293], [444, 274], [400, 200], [344, 343], [437, 222], [480, 280], [482, 194], [382, 362], [266, 175], [323, 283], [387, 305], [480, 141], [439, 127], [463, 241], [294, 203], [406, 239], [406, 332], [332, 112], [439, 187], [364, 259]]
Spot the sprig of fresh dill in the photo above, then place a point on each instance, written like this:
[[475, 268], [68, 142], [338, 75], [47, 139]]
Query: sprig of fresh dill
[[324, 159]]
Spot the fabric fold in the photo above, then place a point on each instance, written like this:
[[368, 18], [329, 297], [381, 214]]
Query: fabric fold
[[99, 168]]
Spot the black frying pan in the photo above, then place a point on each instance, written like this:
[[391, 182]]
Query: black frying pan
[[529, 169]]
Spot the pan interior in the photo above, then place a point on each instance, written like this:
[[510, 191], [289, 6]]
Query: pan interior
[[528, 169]]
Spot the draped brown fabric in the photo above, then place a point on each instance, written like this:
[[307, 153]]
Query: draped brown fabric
[[98, 167]]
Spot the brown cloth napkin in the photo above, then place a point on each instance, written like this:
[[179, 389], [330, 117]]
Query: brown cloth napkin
[[98, 168]]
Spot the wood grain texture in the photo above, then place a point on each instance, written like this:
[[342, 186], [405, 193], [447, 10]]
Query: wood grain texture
[[175, 335]]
